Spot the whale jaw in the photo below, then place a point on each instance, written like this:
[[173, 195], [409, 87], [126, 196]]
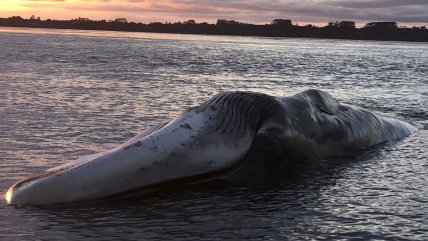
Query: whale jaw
[[170, 154]]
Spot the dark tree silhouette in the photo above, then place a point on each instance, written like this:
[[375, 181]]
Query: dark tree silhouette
[[277, 28]]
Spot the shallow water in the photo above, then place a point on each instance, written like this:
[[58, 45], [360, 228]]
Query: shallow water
[[68, 93]]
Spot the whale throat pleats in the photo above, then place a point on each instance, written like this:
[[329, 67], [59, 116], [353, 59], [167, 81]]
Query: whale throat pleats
[[240, 112]]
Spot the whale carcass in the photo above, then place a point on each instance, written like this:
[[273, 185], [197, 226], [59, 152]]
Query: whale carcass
[[210, 139]]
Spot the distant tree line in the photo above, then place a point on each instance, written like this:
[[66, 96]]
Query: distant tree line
[[277, 28]]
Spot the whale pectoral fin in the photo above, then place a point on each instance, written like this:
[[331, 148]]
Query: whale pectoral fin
[[271, 139], [267, 157]]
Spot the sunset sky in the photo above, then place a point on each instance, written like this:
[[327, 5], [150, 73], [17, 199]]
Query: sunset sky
[[405, 12]]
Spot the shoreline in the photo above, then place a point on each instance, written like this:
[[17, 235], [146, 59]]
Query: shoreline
[[378, 31]]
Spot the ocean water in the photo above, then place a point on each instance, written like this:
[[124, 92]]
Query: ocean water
[[68, 93]]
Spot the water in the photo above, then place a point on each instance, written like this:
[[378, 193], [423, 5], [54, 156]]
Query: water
[[68, 93]]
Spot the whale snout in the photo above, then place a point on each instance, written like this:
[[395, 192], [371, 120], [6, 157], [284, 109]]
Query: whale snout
[[21, 195], [17, 196], [30, 190], [9, 195]]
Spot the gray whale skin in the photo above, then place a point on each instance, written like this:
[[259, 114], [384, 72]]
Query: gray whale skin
[[211, 139]]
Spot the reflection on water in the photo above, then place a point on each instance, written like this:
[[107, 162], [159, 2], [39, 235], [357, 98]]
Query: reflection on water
[[67, 93]]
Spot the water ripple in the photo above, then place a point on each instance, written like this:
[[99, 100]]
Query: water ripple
[[67, 93]]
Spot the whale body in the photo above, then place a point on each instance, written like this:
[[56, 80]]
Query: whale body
[[211, 139]]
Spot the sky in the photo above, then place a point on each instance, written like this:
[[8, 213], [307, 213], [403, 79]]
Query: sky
[[318, 12]]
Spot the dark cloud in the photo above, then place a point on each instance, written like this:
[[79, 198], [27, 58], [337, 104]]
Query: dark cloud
[[322, 10], [365, 4]]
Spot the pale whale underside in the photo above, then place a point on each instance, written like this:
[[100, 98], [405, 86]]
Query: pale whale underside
[[212, 138]]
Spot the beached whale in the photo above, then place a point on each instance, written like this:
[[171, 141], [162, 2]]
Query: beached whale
[[211, 139]]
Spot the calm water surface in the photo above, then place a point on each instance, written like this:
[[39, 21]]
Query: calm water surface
[[64, 94]]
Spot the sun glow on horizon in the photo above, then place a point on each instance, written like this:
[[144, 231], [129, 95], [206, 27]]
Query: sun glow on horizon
[[45, 9], [11, 5]]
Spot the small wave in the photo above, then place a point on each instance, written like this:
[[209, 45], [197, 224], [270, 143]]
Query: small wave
[[416, 115], [422, 124]]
